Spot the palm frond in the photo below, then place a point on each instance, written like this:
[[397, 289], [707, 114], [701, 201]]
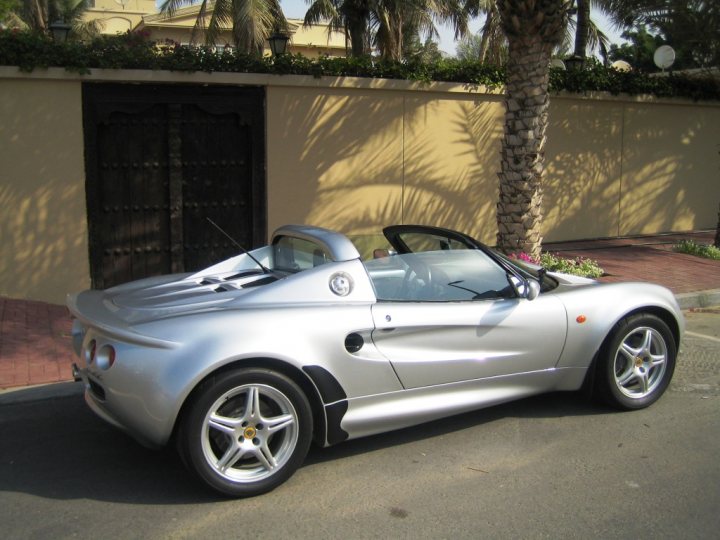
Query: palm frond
[[200, 26], [170, 7]]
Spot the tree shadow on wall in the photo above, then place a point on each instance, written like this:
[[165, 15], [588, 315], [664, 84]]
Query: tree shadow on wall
[[614, 177], [367, 161]]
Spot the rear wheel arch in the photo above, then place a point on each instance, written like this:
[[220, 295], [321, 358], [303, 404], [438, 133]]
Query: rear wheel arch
[[271, 364]]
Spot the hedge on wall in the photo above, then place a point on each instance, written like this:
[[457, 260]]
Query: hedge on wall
[[29, 51]]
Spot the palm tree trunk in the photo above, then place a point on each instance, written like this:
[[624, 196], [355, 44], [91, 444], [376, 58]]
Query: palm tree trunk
[[717, 232], [358, 38], [532, 27], [583, 28], [519, 210]]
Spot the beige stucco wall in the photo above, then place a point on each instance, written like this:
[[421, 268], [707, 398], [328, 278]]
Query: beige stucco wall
[[619, 167], [671, 168], [584, 169], [354, 159], [118, 16], [335, 158], [311, 42], [451, 149], [357, 154], [43, 228]]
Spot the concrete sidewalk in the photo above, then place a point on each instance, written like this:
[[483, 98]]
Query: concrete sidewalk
[[35, 343]]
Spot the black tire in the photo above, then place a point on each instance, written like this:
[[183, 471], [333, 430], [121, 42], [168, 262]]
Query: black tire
[[246, 431], [636, 362]]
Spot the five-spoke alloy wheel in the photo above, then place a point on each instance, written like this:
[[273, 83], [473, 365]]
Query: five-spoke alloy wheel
[[637, 362], [247, 431]]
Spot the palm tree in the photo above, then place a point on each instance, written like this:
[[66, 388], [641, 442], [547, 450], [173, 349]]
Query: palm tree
[[252, 21], [350, 16], [587, 32], [385, 24], [692, 27], [533, 29], [493, 47], [37, 15], [489, 45]]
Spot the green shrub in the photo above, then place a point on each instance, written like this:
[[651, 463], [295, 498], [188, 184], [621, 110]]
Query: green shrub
[[132, 50], [699, 250], [579, 266]]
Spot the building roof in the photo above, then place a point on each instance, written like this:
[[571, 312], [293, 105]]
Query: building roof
[[300, 36]]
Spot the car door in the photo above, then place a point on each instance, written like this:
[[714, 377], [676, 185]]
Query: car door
[[449, 314]]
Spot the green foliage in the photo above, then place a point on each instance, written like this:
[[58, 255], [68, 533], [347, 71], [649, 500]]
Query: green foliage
[[578, 266], [7, 6], [691, 27], [639, 51], [596, 77], [29, 51], [415, 50], [691, 247]]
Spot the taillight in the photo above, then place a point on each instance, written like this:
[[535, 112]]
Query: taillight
[[105, 357]]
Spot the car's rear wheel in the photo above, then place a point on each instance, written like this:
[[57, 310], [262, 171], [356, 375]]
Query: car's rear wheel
[[637, 362], [246, 431]]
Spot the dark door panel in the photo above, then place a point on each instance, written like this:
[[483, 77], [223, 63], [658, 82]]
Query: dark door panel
[[160, 160]]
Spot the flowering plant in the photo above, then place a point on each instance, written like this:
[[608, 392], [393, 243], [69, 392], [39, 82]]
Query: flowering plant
[[524, 257], [578, 266]]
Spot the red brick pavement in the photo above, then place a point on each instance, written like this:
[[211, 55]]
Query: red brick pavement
[[648, 259], [35, 343]]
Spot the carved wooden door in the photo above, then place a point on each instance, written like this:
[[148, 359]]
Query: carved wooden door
[[160, 160]]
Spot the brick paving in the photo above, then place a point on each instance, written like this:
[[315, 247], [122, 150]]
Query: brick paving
[[35, 343], [648, 258], [35, 346]]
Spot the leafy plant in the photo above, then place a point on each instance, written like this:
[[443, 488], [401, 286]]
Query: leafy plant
[[132, 50], [578, 266], [691, 247]]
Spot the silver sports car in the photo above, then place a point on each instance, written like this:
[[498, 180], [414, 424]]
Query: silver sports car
[[244, 363]]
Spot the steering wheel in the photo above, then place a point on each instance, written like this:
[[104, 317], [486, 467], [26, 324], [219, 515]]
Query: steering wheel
[[417, 278]]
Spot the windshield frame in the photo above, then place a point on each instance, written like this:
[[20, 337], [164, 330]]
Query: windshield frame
[[513, 267]]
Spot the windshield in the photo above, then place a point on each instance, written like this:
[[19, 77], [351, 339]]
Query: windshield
[[438, 276]]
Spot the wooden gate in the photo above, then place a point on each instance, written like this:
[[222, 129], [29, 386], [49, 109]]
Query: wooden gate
[[159, 161]]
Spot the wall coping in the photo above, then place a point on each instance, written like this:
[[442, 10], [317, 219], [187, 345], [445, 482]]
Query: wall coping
[[307, 81]]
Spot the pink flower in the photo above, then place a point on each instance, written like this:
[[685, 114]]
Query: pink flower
[[522, 256]]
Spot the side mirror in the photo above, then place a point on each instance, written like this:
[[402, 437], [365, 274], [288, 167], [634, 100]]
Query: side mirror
[[525, 288], [533, 289]]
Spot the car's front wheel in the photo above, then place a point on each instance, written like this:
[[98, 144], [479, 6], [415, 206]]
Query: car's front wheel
[[246, 431], [637, 362]]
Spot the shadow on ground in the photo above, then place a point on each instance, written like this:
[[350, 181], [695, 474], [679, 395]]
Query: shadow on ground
[[56, 448]]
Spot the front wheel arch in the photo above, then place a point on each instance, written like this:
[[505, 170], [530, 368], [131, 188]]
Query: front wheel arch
[[588, 386], [621, 349]]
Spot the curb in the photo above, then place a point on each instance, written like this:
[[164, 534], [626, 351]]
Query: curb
[[24, 394], [697, 299]]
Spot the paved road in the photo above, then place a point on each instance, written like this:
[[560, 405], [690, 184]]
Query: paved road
[[548, 467]]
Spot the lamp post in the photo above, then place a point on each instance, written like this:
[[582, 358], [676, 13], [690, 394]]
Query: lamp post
[[278, 43], [574, 62], [59, 30]]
